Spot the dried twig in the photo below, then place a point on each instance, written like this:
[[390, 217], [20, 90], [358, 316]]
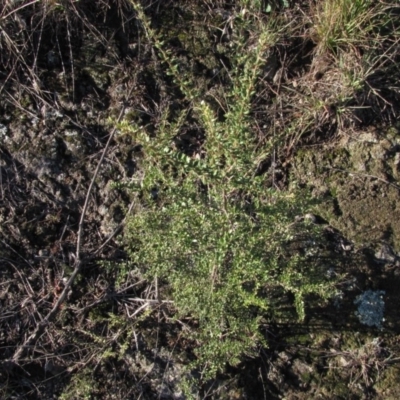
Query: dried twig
[[40, 327], [115, 232], [4, 17], [18, 254], [353, 173]]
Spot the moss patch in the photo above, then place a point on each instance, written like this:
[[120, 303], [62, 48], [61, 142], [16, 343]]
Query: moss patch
[[358, 182]]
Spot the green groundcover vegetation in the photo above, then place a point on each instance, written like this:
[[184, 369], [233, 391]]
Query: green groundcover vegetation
[[209, 230]]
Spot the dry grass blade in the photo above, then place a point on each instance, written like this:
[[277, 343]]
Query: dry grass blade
[[366, 363]]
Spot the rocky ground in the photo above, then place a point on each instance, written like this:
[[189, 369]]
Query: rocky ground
[[60, 98]]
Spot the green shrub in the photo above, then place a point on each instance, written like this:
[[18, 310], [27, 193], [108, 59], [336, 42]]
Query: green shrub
[[216, 238]]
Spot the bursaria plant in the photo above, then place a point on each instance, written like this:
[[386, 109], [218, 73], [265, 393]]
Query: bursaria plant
[[219, 241]]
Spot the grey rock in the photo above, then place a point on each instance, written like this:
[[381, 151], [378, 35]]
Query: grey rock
[[3, 130], [385, 254], [371, 307]]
